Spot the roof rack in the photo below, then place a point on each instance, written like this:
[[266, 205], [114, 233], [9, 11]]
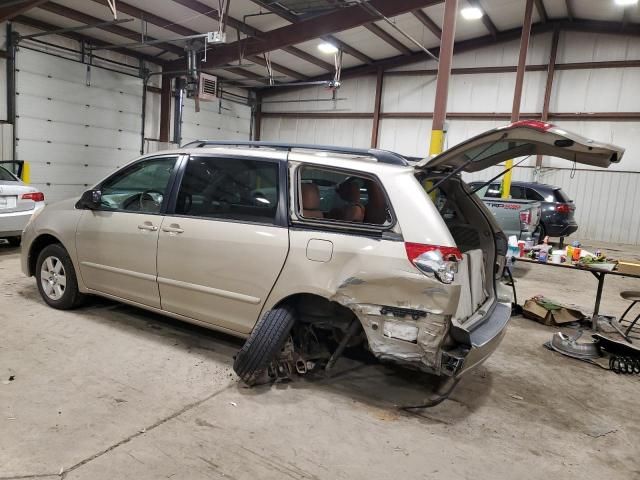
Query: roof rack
[[382, 156]]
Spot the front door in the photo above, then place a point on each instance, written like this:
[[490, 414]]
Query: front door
[[117, 244], [221, 251]]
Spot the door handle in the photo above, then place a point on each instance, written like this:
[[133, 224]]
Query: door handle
[[173, 228], [148, 226]]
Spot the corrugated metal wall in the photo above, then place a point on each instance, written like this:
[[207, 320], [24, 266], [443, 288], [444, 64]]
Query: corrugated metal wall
[[605, 199]]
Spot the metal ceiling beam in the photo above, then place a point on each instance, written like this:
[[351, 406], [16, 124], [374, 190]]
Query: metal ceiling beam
[[486, 20], [13, 9], [284, 13], [569, 5], [115, 29], [387, 38], [181, 30], [40, 25], [337, 21], [582, 25], [427, 22], [247, 29], [542, 11]]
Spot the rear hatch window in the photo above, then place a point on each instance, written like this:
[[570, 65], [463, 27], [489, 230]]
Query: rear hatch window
[[560, 196]]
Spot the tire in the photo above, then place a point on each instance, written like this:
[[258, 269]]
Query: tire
[[56, 278], [14, 241], [264, 343]]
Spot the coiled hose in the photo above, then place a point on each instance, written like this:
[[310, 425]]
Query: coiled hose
[[624, 365]]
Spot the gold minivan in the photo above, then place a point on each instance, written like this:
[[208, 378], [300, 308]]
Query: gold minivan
[[303, 250]]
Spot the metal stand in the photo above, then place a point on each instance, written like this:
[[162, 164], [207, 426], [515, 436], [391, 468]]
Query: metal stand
[[594, 320]]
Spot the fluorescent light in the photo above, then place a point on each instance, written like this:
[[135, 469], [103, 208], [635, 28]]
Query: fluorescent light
[[326, 47], [471, 13], [626, 2]]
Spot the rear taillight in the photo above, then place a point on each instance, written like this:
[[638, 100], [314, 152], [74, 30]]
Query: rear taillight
[[563, 208], [525, 216], [35, 196], [436, 260]]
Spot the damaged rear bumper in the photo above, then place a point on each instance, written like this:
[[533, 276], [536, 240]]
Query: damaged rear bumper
[[416, 341]]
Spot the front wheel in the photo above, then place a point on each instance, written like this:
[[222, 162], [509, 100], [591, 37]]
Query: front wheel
[[56, 278]]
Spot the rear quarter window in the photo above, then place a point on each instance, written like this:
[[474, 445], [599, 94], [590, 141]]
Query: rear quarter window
[[560, 196], [5, 176]]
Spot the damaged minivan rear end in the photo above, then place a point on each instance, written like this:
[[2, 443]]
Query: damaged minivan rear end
[[418, 285]]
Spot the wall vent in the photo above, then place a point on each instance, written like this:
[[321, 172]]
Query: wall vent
[[208, 88]]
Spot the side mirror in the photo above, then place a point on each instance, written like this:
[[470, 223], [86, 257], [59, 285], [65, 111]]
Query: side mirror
[[90, 200]]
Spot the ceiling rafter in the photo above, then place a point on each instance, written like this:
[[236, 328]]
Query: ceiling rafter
[[427, 22], [583, 25], [115, 29], [283, 13], [12, 11], [387, 38], [182, 30], [569, 5], [486, 20], [247, 29], [308, 29], [78, 37], [541, 11]]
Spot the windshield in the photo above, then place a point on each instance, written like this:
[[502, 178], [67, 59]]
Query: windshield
[[5, 176]]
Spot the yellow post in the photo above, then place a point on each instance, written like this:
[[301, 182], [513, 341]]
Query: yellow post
[[26, 172], [437, 142], [506, 181]]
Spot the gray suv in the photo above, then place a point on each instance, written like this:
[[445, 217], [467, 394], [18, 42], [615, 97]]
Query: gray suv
[[557, 208]]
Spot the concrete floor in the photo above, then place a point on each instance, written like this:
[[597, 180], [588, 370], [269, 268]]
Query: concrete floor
[[109, 392]]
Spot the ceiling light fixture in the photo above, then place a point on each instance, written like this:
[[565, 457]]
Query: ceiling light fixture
[[626, 3], [328, 48], [471, 13]]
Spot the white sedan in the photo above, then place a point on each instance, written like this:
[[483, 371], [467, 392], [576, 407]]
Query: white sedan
[[18, 202]]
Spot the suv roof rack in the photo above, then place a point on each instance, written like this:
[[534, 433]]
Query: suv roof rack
[[382, 156]]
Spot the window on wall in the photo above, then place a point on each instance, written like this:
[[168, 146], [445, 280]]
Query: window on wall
[[229, 188], [336, 196]]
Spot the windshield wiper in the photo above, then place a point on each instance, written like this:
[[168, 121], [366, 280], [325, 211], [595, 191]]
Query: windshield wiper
[[457, 170], [498, 176]]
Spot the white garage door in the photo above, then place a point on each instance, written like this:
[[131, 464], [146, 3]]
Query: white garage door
[[73, 134], [215, 121]]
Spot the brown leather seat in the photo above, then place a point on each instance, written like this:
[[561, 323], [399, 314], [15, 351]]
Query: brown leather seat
[[311, 201], [349, 191], [376, 209]]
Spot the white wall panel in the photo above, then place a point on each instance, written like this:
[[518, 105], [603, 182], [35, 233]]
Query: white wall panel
[[358, 94], [341, 132], [72, 131], [587, 47], [215, 121]]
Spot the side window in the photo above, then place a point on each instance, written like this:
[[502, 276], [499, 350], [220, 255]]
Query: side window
[[330, 195], [533, 195], [517, 193], [140, 187], [229, 188], [493, 191]]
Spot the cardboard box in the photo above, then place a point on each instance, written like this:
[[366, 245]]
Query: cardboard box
[[556, 316], [628, 266]]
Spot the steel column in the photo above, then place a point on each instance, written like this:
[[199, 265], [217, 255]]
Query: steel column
[[444, 72], [517, 94], [549, 86], [257, 116], [375, 128], [165, 108]]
